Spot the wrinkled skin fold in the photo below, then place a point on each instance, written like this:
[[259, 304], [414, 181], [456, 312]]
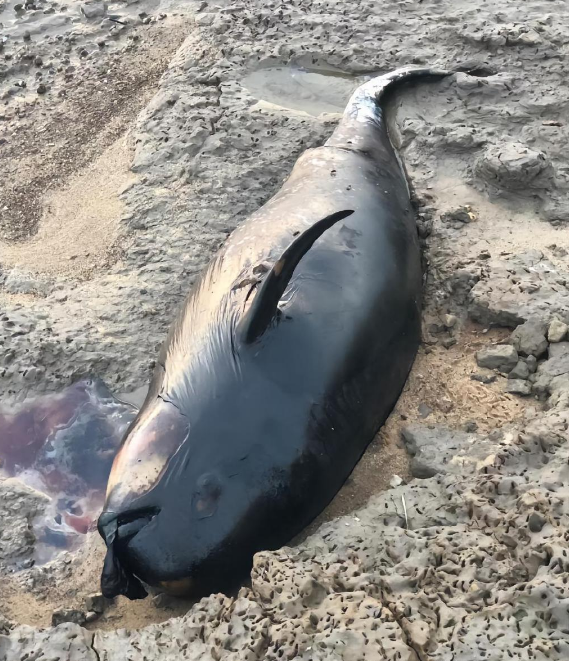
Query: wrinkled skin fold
[[285, 360]]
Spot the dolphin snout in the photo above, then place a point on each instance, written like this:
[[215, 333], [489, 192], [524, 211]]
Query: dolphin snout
[[117, 530]]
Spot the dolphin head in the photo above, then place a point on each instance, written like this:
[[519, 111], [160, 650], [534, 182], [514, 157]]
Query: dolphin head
[[185, 512], [131, 504]]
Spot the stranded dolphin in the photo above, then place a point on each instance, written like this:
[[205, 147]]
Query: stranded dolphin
[[285, 360]]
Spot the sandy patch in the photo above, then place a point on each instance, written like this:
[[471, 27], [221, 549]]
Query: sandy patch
[[80, 220]]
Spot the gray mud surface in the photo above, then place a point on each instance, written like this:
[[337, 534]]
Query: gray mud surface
[[122, 177]]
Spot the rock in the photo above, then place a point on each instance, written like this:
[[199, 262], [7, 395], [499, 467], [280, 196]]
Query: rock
[[536, 522], [518, 387], [6, 625], [96, 602], [557, 330], [558, 352], [460, 214], [553, 374], [435, 328], [62, 615], [25, 282], [424, 410], [60, 296], [19, 504], [503, 357], [421, 470], [529, 338], [523, 286], [425, 447], [520, 371], [424, 228], [450, 320], [395, 481], [513, 166], [485, 377], [531, 362], [556, 210], [93, 9], [42, 89]]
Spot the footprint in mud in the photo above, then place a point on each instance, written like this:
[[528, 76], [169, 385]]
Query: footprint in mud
[[63, 445]]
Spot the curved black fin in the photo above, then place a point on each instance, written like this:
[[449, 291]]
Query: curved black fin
[[264, 306]]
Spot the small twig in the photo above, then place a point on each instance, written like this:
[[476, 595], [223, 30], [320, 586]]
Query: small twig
[[405, 512]]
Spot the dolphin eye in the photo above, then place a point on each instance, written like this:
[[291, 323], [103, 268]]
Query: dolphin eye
[[206, 496]]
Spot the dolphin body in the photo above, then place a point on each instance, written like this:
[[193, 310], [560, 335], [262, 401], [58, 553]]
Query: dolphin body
[[285, 360]]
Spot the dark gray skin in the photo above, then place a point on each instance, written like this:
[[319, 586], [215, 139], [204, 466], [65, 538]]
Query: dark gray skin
[[287, 357]]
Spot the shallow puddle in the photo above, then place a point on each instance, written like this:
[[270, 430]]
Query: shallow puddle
[[63, 445], [307, 90]]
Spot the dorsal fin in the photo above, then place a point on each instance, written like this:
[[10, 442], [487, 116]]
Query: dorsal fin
[[264, 306]]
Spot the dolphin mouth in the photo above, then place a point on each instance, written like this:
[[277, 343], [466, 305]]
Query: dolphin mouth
[[117, 530]]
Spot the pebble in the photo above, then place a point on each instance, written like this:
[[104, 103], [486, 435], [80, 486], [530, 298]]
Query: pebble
[[461, 214], [450, 320], [536, 522], [557, 331], [42, 89], [395, 481], [424, 410], [559, 251], [503, 357], [96, 602], [61, 615], [484, 377]]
